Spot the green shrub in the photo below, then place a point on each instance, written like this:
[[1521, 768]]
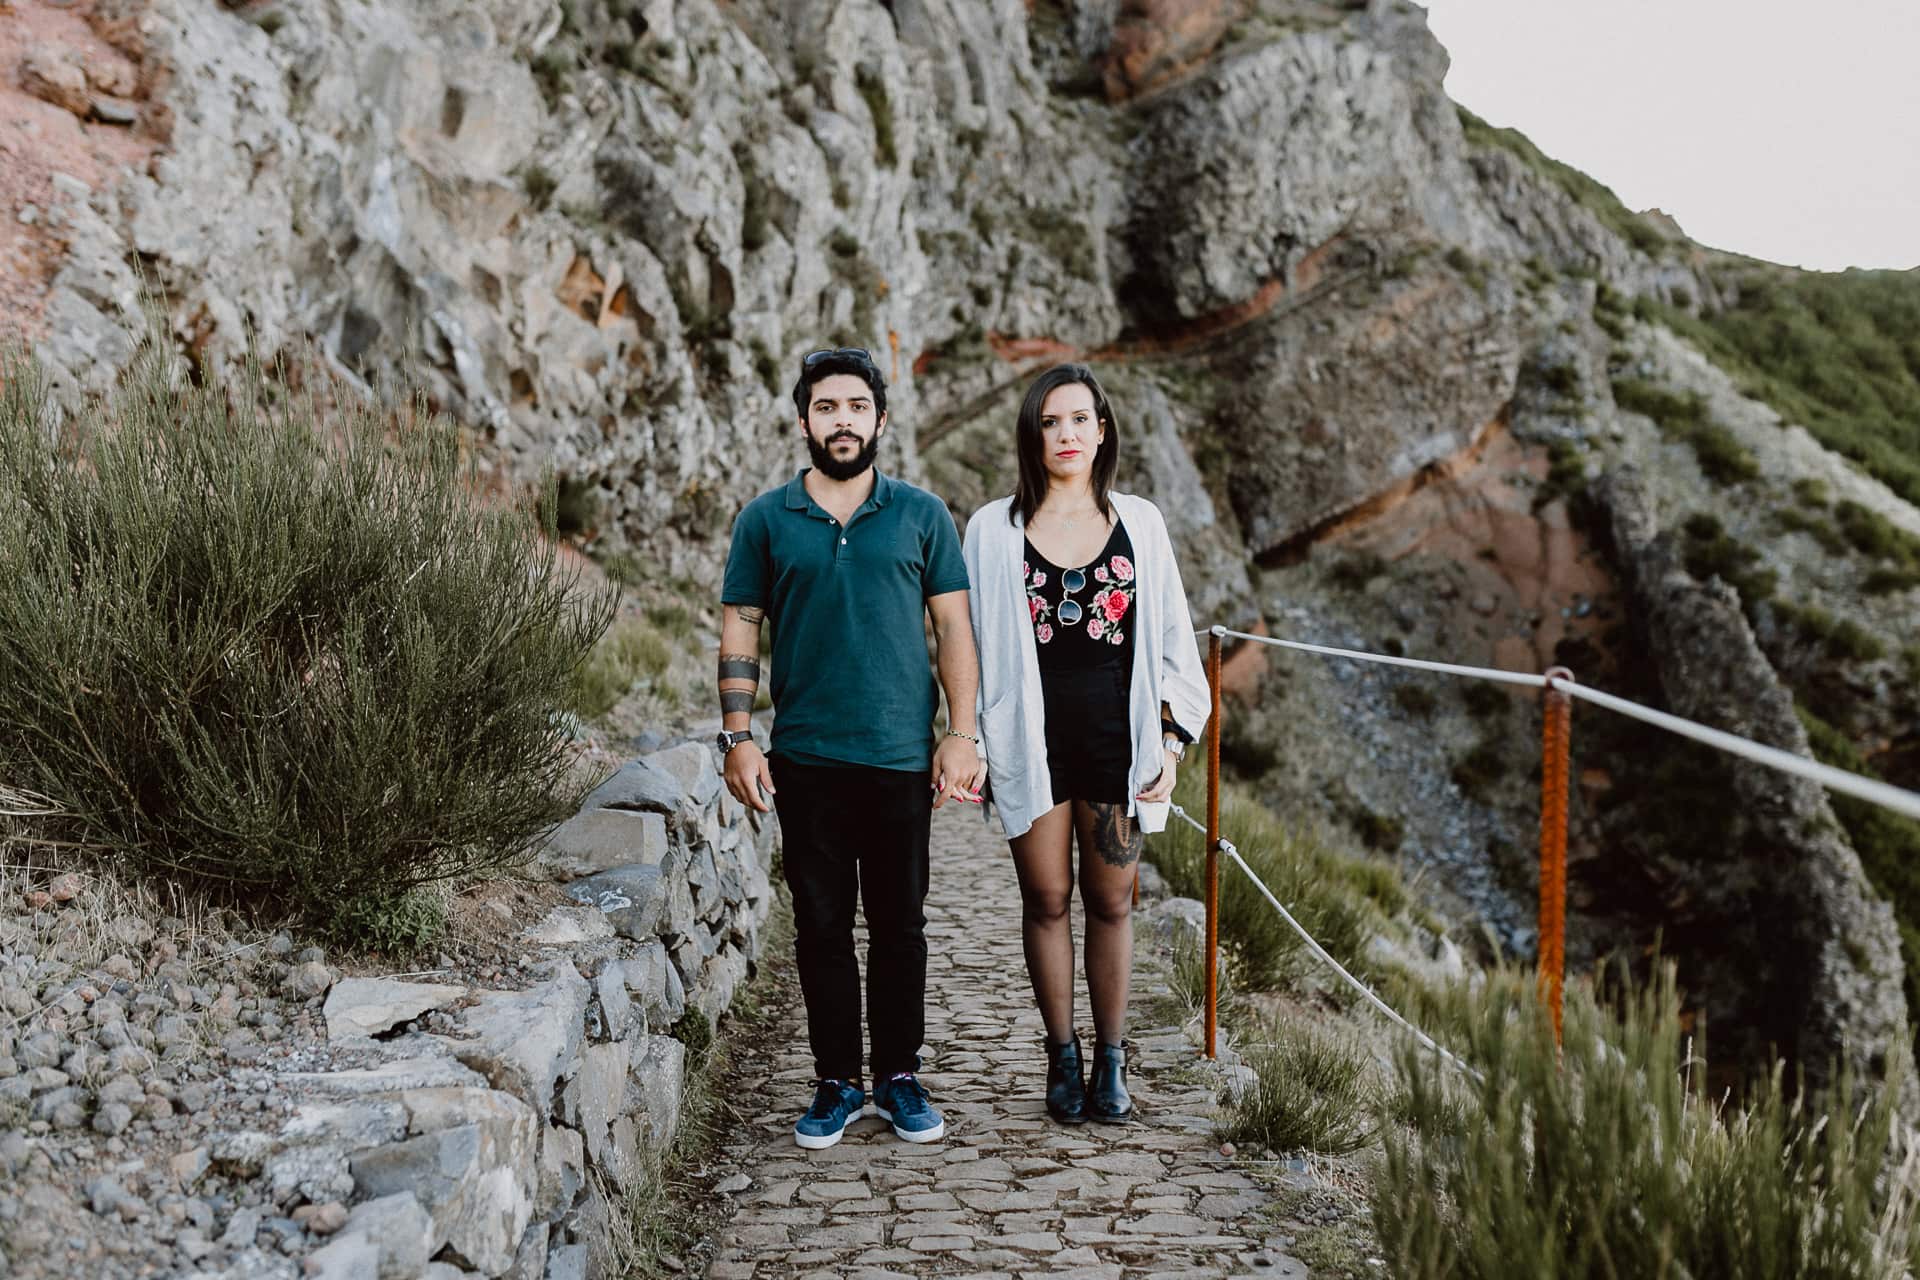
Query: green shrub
[[1684, 416], [629, 651], [1606, 1157], [873, 89], [1811, 491], [1795, 520], [1481, 768], [287, 657], [1842, 639], [1595, 196], [1884, 581], [1296, 864], [1876, 535], [1312, 1091], [1415, 700], [1711, 553], [1888, 843], [1837, 352], [538, 183]]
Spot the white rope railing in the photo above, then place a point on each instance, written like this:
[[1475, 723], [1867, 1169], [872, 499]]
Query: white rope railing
[[1366, 992], [1872, 790]]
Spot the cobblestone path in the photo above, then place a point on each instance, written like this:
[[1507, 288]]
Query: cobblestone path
[[1007, 1192]]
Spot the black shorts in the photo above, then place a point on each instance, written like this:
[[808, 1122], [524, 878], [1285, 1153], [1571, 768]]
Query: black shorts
[[1089, 734]]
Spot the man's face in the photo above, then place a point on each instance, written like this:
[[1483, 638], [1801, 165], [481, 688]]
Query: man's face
[[841, 428]]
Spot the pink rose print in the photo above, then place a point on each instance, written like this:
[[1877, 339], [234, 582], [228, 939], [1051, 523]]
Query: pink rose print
[[1095, 627], [1036, 606], [1039, 579], [1043, 633], [1122, 568], [1115, 605], [1114, 637], [1026, 570], [1100, 574]]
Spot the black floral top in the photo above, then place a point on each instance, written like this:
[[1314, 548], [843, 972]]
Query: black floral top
[[1090, 624]]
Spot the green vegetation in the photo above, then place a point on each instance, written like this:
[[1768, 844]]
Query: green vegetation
[[288, 658], [1480, 769], [1415, 700], [538, 183], [1888, 843], [631, 650], [1594, 196], [1722, 457], [1329, 892], [754, 225], [1841, 639], [1877, 536], [1607, 1157], [1313, 1091], [1711, 553], [873, 91], [1838, 353]]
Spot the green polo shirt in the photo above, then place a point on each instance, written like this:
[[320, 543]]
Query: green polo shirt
[[851, 682]]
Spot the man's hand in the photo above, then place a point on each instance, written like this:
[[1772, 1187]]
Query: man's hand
[[1161, 789], [957, 770], [746, 772]]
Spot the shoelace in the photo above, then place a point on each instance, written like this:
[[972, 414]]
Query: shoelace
[[918, 1092], [826, 1097]]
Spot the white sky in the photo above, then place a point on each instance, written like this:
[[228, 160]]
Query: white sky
[[1790, 132]]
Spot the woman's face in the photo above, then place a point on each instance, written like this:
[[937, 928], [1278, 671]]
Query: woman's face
[[1070, 432]]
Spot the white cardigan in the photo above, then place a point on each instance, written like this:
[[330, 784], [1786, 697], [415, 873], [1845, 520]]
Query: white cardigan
[[1166, 662]]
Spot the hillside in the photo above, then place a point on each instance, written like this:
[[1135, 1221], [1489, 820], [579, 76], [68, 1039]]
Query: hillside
[[1396, 377]]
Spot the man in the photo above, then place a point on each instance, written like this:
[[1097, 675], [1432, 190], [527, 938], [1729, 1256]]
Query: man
[[846, 562]]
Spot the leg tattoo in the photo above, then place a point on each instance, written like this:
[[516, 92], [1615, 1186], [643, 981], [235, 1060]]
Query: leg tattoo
[[1116, 838]]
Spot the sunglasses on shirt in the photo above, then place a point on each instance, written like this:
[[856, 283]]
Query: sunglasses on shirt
[[1071, 580]]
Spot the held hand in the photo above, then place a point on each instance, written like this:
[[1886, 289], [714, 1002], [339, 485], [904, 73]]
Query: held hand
[[746, 773], [957, 770], [1161, 789]]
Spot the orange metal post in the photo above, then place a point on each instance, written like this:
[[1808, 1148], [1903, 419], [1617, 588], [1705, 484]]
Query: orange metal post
[[1556, 733], [1213, 843]]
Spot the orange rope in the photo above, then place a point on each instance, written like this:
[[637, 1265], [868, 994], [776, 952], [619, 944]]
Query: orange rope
[[1556, 733]]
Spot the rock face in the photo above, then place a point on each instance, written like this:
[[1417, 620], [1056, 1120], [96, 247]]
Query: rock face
[[1802, 953]]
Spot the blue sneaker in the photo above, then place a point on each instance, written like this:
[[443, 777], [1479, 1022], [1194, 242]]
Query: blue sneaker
[[836, 1104], [901, 1100]]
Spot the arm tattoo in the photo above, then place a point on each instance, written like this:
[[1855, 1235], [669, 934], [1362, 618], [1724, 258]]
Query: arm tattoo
[[751, 613], [1116, 838], [739, 666], [732, 700]]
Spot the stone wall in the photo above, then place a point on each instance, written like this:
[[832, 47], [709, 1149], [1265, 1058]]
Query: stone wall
[[447, 1130]]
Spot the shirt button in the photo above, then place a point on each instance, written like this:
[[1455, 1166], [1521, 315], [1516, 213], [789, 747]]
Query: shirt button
[[843, 542]]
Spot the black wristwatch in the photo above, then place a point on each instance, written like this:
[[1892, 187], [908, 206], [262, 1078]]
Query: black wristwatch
[[730, 740]]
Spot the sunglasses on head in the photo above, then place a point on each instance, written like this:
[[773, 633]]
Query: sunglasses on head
[[815, 357]]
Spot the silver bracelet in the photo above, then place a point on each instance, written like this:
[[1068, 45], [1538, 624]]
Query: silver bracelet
[[955, 733]]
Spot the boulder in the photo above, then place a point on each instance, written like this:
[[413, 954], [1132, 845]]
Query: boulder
[[657, 1086], [616, 1006], [387, 1077], [562, 1172], [595, 1102], [692, 765], [398, 1228], [474, 1169], [596, 839], [523, 1041], [569, 926], [369, 1006], [53, 74], [639, 785]]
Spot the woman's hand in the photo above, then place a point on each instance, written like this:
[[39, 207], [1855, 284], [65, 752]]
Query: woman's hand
[[1160, 790], [958, 771]]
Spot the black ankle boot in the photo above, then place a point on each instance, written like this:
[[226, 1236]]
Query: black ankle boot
[[1066, 1086], [1108, 1098]]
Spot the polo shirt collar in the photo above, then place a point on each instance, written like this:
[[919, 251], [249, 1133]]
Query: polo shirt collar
[[799, 500]]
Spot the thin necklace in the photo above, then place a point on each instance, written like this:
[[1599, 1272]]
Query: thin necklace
[[1071, 520]]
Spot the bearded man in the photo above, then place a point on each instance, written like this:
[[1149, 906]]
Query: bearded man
[[846, 563]]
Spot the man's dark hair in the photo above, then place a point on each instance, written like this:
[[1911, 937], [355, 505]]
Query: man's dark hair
[[827, 367], [1031, 449]]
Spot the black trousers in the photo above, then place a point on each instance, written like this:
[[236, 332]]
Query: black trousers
[[851, 833]]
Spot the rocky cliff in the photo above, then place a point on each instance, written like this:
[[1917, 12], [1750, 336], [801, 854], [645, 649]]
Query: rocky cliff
[[1366, 346]]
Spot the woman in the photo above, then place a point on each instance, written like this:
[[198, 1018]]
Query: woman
[[1090, 688]]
